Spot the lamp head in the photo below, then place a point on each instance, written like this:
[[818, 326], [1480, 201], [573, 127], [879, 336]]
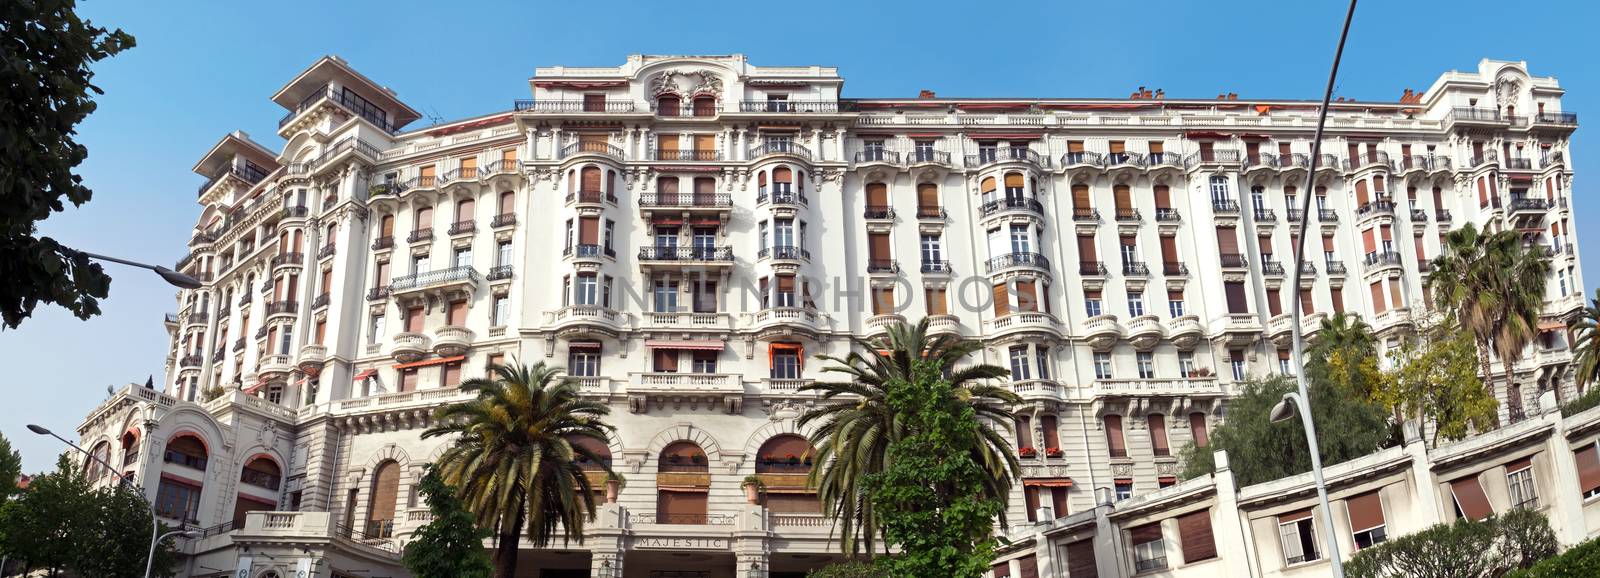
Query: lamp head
[[1284, 410], [38, 429], [177, 279]]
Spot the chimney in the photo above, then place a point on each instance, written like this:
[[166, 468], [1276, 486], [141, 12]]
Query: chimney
[[1160, 94], [925, 93], [1233, 96]]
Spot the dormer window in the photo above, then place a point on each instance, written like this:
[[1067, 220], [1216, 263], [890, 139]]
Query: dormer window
[[777, 103]]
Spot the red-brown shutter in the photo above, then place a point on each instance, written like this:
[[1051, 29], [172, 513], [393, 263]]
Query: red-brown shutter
[[1058, 502], [928, 196], [1027, 297], [1469, 496], [1366, 511], [1114, 436], [1002, 301], [1369, 243], [1030, 499], [1234, 291], [1169, 249], [877, 195], [878, 246], [1002, 570], [1080, 196], [590, 180], [684, 506], [1361, 192], [1024, 431], [1197, 429], [1163, 197], [1588, 463], [1086, 252], [1274, 306], [1029, 567], [1158, 433], [1052, 439], [1123, 197], [1377, 297], [589, 230], [1194, 532], [1146, 533], [1227, 241], [1080, 558], [1337, 296]]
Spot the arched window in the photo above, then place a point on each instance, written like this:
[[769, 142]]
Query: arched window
[[424, 220], [464, 210], [262, 472], [784, 463], [94, 469], [782, 180], [130, 449], [987, 188], [1014, 186], [386, 226], [188, 451], [508, 202], [668, 105], [705, 105], [683, 456], [683, 481], [602, 453], [787, 453], [590, 180], [382, 499]]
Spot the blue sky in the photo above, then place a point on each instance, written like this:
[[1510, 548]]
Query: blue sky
[[203, 69]]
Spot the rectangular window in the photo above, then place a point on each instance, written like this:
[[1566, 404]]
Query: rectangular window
[[1091, 303], [1186, 363], [1366, 520], [1519, 482], [1147, 366], [1236, 361], [1235, 292], [502, 310], [1298, 537], [1175, 306], [584, 362], [1019, 363], [931, 253], [935, 300], [1114, 441], [450, 375], [1194, 535], [1587, 461], [588, 292], [1102, 365], [786, 363], [705, 362], [1135, 303], [178, 501], [408, 379], [664, 296], [1124, 488], [1020, 240], [1041, 361], [376, 328]]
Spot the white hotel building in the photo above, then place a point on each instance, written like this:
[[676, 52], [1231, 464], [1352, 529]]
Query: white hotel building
[[684, 234]]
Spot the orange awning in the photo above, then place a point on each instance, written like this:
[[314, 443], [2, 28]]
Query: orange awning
[[692, 345], [1047, 482], [1552, 326], [583, 345], [428, 362], [772, 350], [364, 374]]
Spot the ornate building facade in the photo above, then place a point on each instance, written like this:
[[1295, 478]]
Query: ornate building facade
[[685, 234]]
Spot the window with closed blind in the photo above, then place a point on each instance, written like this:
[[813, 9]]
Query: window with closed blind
[[1157, 425], [1366, 519], [1080, 560], [1114, 440], [1149, 548], [1194, 535], [1587, 461], [1469, 499]]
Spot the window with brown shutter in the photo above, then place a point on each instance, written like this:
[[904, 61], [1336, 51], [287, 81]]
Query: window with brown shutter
[[1587, 461], [1197, 429], [1086, 253], [988, 185], [665, 360], [594, 103], [1058, 502], [882, 300], [1237, 303], [1470, 500], [1483, 193], [1369, 243], [591, 141], [1029, 567], [1027, 298], [1080, 197], [1273, 306], [1144, 534], [413, 321], [667, 143], [456, 313], [1002, 301], [1227, 241], [1080, 560], [1327, 244], [1169, 250], [1024, 431], [704, 144], [1377, 297], [1307, 307], [927, 196], [1014, 181], [1163, 197], [1337, 296], [1158, 433], [1030, 499], [1117, 147], [1394, 294], [1194, 534], [937, 305], [1052, 437], [385, 493], [676, 507], [1123, 198], [589, 230], [1386, 233], [508, 157], [1361, 192], [1114, 439], [1366, 511], [1002, 570], [1075, 146], [878, 246], [877, 195]]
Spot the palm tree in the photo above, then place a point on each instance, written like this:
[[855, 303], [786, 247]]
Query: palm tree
[[514, 464], [1585, 327], [1344, 330], [854, 435], [1494, 286]]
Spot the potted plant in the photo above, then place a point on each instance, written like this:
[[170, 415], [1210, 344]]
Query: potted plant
[[1200, 372], [1053, 453], [792, 459], [378, 189], [613, 487], [1027, 451], [753, 486]]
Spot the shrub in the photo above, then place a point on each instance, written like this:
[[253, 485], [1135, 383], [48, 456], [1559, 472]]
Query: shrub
[[1588, 400], [1465, 549], [1581, 561], [846, 569]]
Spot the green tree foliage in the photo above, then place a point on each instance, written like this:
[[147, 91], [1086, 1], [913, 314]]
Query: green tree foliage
[[61, 523], [451, 545], [931, 497], [10, 469], [1582, 561], [853, 437], [1494, 286], [514, 462], [45, 91], [1348, 427], [1586, 328], [1588, 400], [1434, 378], [1466, 549]]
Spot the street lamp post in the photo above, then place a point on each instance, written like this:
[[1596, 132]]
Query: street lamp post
[[155, 524], [1301, 397], [173, 278]]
